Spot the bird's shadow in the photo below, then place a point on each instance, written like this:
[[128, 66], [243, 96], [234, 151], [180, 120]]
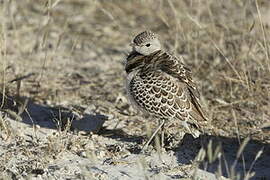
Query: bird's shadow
[[223, 155], [27, 111]]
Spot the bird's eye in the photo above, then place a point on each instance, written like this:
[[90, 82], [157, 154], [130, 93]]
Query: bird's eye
[[147, 45]]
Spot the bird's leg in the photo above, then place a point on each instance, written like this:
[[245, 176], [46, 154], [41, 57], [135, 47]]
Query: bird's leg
[[153, 135], [162, 134], [185, 124]]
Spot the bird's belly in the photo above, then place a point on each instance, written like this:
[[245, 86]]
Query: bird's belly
[[143, 98], [134, 103]]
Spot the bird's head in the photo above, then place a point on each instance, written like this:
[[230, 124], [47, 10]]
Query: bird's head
[[146, 43]]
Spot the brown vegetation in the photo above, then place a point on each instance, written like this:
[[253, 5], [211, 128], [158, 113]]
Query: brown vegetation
[[70, 54]]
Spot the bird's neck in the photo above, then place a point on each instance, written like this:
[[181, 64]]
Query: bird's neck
[[136, 60]]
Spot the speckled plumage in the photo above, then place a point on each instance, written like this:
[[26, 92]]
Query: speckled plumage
[[143, 37], [162, 86]]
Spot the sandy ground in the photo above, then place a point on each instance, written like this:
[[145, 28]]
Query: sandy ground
[[67, 115]]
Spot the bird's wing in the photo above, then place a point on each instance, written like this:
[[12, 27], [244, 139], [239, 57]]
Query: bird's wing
[[172, 66]]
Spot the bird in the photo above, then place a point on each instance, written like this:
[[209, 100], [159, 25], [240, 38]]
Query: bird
[[160, 85]]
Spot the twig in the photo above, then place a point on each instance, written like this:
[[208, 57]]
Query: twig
[[22, 77]]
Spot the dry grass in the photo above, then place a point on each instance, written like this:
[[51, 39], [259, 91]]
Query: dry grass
[[70, 53]]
